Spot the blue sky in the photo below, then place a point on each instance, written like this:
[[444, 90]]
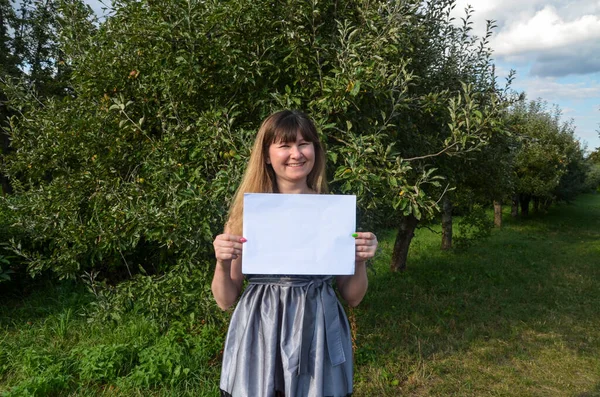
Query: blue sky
[[553, 45]]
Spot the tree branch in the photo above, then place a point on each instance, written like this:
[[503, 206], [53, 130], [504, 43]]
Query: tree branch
[[432, 155]]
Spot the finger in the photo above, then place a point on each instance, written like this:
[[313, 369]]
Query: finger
[[226, 256], [365, 242], [232, 238], [366, 254], [230, 250], [228, 244], [365, 248], [365, 235], [369, 243]]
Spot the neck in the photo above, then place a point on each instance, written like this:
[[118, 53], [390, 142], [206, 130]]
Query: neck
[[286, 187]]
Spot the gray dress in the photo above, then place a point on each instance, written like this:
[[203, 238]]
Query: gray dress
[[289, 336]]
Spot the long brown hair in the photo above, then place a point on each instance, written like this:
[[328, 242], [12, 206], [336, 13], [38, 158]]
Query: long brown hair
[[259, 176]]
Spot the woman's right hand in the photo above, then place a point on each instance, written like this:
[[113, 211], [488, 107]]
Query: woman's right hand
[[228, 279], [228, 247]]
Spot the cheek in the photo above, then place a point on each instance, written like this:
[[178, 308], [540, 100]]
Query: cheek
[[273, 155]]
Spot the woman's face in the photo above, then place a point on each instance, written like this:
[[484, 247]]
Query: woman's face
[[292, 161]]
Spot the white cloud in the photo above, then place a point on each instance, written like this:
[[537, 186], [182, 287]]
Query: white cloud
[[549, 37], [546, 30], [552, 90]]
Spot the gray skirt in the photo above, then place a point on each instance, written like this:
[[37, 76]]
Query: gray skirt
[[289, 336]]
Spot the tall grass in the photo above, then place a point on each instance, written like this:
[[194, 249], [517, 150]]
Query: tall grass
[[515, 315], [47, 347]]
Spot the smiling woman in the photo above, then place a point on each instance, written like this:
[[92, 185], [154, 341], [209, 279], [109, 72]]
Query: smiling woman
[[292, 162], [294, 326], [295, 130]]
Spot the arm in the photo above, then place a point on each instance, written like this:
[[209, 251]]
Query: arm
[[353, 288], [228, 278]]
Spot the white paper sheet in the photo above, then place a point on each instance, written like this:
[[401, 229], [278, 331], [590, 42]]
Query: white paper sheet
[[299, 234]]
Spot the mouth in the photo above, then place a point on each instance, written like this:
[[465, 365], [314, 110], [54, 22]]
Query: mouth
[[293, 165]]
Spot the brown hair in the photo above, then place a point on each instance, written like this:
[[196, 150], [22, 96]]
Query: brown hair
[[259, 176]]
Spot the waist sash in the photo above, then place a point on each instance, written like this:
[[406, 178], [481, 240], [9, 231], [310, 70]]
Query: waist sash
[[316, 288]]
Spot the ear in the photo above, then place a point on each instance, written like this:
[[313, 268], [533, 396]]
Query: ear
[[268, 160]]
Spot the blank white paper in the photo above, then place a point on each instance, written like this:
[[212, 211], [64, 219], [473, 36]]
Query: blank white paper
[[298, 234]]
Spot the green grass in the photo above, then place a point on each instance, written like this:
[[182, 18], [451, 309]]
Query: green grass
[[515, 315], [48, 348]]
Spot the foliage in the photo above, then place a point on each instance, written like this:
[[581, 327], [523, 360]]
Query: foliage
[[549, 164], [174, 295], [527, 293], [161, 363], [50, 380], [132, 172], [473, 227], [5, 270], [104, 362], [48, 348], [594, 157], [449, 107], [592, 181]]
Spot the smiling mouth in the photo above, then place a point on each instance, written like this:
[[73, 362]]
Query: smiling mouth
[[295, 164]]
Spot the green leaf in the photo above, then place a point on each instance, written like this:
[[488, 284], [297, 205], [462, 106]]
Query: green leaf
[[355, 88], [417, 212]]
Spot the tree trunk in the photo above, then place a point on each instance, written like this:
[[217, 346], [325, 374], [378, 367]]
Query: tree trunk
[[536, 204], [498, 213], [525, 199], [514, 210], [546, 205], [446, 223], [406, 231]]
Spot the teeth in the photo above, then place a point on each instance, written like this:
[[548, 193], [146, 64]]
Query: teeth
[[296, 165]]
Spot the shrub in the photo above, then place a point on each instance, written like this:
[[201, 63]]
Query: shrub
[[47, 374], [474, 226], [103, 363]]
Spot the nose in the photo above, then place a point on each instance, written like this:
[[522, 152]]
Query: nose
[[296, 153]]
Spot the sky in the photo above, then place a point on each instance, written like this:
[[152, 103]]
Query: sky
[[554, 47]]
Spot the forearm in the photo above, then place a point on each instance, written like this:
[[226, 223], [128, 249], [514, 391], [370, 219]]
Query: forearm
[[353, 288], [225, 290]]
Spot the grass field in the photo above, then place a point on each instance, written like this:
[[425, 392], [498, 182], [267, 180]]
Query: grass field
[[515, 315]]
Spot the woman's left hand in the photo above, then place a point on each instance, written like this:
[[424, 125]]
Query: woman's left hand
[[366, 246]]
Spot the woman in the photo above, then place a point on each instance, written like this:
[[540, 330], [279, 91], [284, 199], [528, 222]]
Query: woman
[[289, 335]]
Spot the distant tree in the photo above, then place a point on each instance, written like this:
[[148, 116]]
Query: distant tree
[[29, 53], [592, 179], [9, 68], [549, 162], [594, 157]]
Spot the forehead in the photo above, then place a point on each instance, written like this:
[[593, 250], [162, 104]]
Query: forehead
[[287, 136]]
